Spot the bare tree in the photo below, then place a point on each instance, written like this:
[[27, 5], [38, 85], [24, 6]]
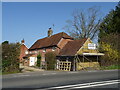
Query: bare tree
[[84, 24]]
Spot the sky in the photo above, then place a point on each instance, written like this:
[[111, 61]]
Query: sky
[[30, 20]]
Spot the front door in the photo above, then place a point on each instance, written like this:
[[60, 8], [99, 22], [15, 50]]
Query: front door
[[32, 61]]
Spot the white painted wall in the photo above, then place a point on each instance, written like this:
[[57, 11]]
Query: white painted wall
[[32, 61]]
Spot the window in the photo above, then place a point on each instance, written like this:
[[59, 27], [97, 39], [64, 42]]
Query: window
[[26, 52], [35, 51], [44, 50], [30, 52], [53, 48]]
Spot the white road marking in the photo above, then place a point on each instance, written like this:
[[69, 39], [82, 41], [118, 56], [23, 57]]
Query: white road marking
[[21, 75], [24, 75], [44, 74], [96, 85], [85, 85], [53, 73], [49, 74], [92, 71], [72, 72]]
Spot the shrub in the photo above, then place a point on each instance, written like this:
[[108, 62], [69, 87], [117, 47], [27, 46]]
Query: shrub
[[111, 55], [38, 60], [50, 58], [10, 57]]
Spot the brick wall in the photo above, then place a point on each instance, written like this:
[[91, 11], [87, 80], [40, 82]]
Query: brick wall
[[43, 51], [23, 48], [61, 44]]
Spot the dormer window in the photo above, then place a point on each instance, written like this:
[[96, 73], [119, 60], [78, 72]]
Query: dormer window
[[53, 48], [44, 50]]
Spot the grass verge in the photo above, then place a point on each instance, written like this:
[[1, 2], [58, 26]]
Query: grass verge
[[4, 73], [110, 67]]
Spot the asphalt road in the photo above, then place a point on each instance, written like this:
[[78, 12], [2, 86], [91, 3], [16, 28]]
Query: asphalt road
[[49, 79]]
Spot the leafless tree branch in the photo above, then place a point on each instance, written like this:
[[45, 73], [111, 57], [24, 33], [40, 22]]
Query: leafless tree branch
[[85, 24]]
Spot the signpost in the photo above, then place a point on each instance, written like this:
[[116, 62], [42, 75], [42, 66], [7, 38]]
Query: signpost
[[91, 46]]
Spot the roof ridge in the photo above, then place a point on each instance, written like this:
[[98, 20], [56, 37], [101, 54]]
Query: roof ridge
[[42, 38], [68, 49], [49, 41]]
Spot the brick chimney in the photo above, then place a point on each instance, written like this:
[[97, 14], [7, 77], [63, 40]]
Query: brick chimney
[[23, 41], [50, 32]]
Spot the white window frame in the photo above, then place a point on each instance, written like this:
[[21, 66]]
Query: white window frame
[[53, 48], [26, 52], [30, 52], [36, 52], [44, 50]]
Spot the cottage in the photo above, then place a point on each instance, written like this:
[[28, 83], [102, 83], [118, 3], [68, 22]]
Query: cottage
[[23, 52], [71, 54]]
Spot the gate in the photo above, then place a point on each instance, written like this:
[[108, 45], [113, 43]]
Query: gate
[[64, 66]]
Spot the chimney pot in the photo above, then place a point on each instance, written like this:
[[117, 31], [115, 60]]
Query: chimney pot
[[23, 41], [50, 32]]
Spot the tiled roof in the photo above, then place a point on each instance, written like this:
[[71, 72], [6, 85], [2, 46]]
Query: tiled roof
[[71, 48], [49, 41]]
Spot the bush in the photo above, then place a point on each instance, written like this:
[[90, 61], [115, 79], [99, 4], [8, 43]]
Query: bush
[[111, 55], [10, 57], [50, 58], [38, 60]]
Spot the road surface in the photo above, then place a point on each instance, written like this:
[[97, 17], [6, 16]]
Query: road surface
[[62, 79]]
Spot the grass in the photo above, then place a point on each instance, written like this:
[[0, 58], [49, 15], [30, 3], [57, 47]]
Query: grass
[[4, 73], [0, 73], [110, 67]]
